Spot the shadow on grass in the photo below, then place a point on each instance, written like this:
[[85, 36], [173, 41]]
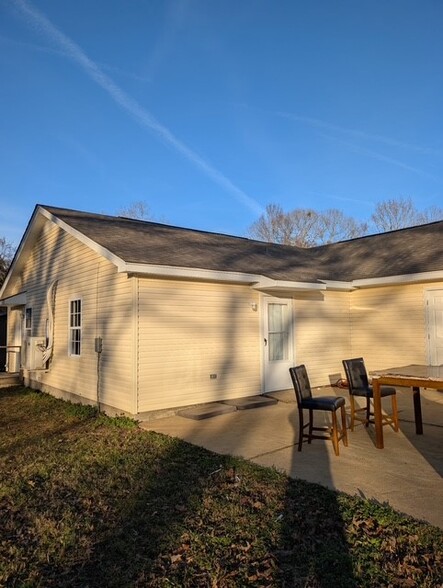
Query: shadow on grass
[[100, 504], [315, 549], [107, 504]]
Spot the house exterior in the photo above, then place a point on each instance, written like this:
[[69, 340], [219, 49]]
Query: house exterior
[[144, 317]]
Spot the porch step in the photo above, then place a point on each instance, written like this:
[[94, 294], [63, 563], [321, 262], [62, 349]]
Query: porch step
[[7, 380], [250, 402], [207, 411]]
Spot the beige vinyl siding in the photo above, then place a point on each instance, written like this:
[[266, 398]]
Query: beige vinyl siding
[[106, 312], [322, 337], [388, 325], [188, 331]]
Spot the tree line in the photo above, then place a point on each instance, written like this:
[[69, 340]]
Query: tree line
[[306, 227]]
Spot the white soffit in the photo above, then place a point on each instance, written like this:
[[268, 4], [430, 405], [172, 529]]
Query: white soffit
[[267, 285], [256, 281], [187, 273], [338, 285], [16, 300]]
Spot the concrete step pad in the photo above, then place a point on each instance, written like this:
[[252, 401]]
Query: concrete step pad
[[250, 402], [205, 411], [7, 381]]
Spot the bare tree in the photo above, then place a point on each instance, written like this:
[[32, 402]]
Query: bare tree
[[305, 227], [399, 213], [6, 255], [336, 226], [286, 228], [138, 209], [433, 214]]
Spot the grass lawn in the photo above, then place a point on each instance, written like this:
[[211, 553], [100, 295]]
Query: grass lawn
[[90, 501]]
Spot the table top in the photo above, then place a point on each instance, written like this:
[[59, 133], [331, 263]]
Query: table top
[[421, 372]]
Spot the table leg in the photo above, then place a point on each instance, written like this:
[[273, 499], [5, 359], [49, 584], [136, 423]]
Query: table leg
[[377, 414], [417, 411]]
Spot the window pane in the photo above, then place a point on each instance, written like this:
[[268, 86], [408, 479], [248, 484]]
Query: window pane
[[75, 341], [275, 317], [278, 348], [277, 331], [28, 318], [75, 323]]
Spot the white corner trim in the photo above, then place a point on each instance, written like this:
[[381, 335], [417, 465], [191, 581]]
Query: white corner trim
[[83, 238]]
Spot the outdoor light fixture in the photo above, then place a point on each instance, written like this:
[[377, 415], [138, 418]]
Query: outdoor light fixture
[[254, 306]]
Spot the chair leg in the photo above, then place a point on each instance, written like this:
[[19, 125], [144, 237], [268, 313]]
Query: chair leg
[[368, 411], [334, 435], [344, 427], [394, 411], [311, 424], [300, 428], [351, 398]]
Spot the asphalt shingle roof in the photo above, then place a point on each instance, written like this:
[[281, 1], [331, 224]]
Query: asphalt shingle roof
[[406, 251]]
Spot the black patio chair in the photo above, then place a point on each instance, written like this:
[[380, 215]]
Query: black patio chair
[[359, 385], [305, 400]]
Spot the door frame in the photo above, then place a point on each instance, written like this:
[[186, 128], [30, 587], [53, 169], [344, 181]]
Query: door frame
[[263, 334], [427, 297]]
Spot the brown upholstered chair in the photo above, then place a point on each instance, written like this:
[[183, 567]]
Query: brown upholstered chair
[[358, 382], [305, 401]]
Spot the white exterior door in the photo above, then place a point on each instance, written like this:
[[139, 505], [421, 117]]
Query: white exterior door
[[434, 306], [277, 343]]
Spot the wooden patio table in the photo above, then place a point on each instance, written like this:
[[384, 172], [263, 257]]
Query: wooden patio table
[[413, 376]]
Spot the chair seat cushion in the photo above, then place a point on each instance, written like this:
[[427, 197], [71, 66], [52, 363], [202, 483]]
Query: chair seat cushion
[[323, 402], [386, 390], [368, 393]]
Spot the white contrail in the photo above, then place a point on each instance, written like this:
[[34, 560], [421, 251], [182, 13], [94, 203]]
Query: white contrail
[[59, 52], [379, 156], [42, 24], [315, 122]]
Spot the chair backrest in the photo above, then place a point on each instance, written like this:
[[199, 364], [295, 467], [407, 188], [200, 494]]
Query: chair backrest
[[300, 379], [356, 375]]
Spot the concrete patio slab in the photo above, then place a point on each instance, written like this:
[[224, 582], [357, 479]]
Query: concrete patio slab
[[407, 473], [287, 396]]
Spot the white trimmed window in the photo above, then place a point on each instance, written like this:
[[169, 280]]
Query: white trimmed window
[[28, 321], [75, 327]]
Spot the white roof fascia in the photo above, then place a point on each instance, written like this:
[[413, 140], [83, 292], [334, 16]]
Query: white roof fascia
[[118, 261], [436, 276], [338, 285], [169, 271], [16, 300], [256, 281], [35, 224]]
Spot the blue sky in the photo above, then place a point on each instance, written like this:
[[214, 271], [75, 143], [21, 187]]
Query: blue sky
[[209, 110]]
